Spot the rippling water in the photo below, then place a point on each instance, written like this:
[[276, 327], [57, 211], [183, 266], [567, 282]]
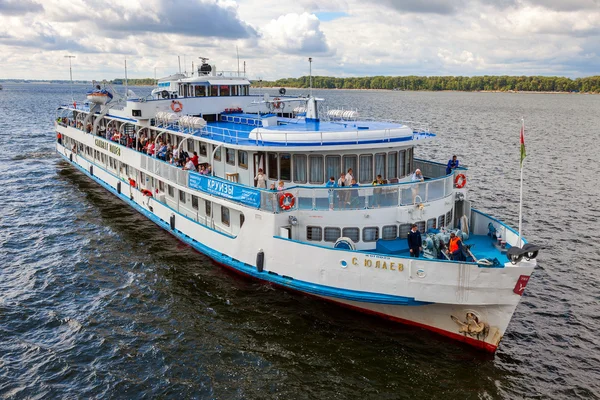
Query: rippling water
[[96, 301]]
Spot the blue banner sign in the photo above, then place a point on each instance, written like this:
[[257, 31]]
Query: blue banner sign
[[225, 189]]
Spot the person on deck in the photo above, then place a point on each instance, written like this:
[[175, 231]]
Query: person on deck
[[261, 179], [415, 242], [189, 165], [331, 183], [455, 248], [194, 159], [452, 165]]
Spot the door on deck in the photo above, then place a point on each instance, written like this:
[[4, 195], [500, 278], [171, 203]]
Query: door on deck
[[259, 162]]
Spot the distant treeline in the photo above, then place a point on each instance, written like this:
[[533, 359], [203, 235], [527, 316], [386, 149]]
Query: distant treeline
[[135, 82], [434, 83]]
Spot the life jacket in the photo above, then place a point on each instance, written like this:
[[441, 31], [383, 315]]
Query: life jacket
[[453, 244]]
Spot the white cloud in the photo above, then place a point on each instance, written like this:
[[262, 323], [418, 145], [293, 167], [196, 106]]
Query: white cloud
[[296, 34]]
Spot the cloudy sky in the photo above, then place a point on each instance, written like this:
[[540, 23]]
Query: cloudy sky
[[275, 38]]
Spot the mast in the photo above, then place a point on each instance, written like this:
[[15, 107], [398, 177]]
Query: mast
[[310, 76], [71, 75], [521, 190]]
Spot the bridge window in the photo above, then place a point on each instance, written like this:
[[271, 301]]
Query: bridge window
[[392, 171], [299, 168], [243, 159], [333, 166], [401, 163], [285, 167], [352, 233], [350, 162], [200, 91], [441, 221], [272, 166], [365, 174], [431, 224], [389, 232], [380, 165], [225, 216], [313, 233], [315, 163], [225, 90], [230, 156], [404, 229], [332, 234], [214, 91], [370, 234], [234, 90]]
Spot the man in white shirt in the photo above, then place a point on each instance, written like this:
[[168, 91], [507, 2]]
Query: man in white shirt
[[348, 182], [189, 164]]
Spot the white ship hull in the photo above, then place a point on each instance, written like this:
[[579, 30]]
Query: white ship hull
[[463, 301]]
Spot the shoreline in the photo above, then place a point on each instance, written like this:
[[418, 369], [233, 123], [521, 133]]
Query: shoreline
[[430, 91]]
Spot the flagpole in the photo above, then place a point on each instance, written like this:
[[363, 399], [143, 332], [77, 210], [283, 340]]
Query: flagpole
[[521, 191]]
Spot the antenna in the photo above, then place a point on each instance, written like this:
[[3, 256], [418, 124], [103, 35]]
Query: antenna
[[192, 68], [238, 58], [179, 61], [184, 65], [310, 76], [126, 90], [244, 68], [71, 75]]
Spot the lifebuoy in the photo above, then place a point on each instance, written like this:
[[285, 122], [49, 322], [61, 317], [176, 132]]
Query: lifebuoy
[[276, 103], [176, 106], [460, 181], [287, 201], [146, 192], [131, 182]]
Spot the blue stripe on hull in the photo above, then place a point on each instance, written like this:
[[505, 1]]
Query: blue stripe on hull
[[307, 287]]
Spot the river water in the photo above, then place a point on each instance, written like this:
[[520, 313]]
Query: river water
[[96, 301]]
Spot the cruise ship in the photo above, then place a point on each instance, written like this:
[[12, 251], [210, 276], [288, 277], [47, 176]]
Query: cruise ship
[[245, 179]]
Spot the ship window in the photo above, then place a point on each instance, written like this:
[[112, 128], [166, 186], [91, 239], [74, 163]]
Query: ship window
[[333, 166], [389, 232], [217, 156], [161, 186], [234, 90], [441, 221], [225, 90], [350, 162], [351, 233], [332, 234], [243, 159], [208, 208], [190, 146], [316, 169], [449, 218], [214, 91], [313, 233], [230, 156], [370, 234], [203, 149], [200, 91], [365, 174], [392, 171], [272, 165], [300, 168], [430, 224], [225, 216], [409, 161], [380, 165], [401, 163], [285, 167], [194, 202], [136, 113], [242, 220], [404, 229], [421, 226], [182, 197], [170, 190]]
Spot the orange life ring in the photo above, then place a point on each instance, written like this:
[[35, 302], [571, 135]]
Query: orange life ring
[[287, 201], [146, 192], [460, 181], [176, 106], [276, 103]]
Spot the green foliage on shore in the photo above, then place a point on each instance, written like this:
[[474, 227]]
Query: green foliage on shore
[[435, 83], [135, 82]]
